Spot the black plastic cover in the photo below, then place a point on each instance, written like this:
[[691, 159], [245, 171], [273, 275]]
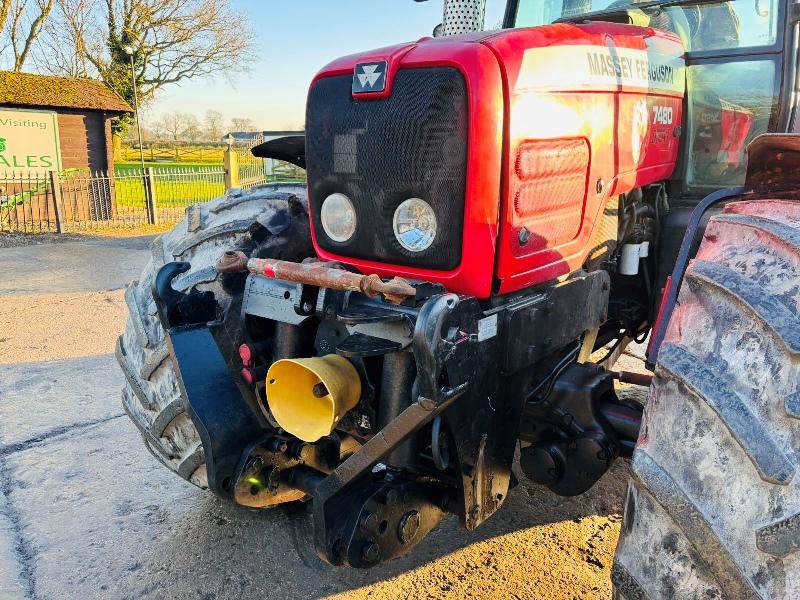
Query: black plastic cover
[[382, 152]]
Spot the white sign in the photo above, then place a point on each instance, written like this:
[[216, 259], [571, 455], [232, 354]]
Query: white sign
[[571, 68], [487, 328], [28, 142]]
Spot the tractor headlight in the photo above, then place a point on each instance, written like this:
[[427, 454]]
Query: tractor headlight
[[338, 217], [415, 224]]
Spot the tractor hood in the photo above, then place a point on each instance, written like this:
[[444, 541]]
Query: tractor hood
[[515, 139]]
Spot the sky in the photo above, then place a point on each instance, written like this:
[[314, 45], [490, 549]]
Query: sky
[[295, 39]]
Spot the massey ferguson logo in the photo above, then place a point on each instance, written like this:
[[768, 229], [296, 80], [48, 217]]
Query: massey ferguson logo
[[369, 77]]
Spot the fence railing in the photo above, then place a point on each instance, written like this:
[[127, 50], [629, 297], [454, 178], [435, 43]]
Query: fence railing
[[129, 197], [173, 153]]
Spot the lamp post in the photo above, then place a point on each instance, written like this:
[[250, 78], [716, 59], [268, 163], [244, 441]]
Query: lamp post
[[129, 50]]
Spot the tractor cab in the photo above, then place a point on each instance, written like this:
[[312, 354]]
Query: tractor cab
[[741, 65]]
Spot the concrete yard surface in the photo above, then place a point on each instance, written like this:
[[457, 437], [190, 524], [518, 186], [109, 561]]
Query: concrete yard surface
[[86, 512]]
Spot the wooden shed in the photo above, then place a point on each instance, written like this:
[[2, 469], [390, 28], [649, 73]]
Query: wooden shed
[[84, 109]]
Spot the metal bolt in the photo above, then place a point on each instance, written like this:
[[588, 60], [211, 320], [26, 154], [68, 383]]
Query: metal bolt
[[600, 186], [426, 403], [408, 527], [271, 477], [370, 552], [524, 236], [368, 521], [475, 513], [278, 445]]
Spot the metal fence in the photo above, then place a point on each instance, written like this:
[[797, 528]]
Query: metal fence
[[76, 200], [208, 153], [83, 200]]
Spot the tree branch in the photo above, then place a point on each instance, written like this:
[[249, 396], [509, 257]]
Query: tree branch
[[45, 7]]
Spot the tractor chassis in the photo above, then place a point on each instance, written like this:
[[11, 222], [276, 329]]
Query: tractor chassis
[[469, 373]]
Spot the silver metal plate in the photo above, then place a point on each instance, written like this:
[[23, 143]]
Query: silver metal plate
[[271, 299]]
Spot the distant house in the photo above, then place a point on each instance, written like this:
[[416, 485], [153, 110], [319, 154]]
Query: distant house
[[79, 110], [246, 137]]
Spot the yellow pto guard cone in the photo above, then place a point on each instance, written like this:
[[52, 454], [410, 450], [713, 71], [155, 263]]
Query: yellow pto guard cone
[[308, 396]]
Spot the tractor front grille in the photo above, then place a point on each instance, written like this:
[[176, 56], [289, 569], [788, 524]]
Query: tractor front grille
[[382, 152]]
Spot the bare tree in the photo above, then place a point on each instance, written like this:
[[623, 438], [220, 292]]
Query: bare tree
[[157, 126], [214, 122], [148, 135], [21, 24], [173, 125], [243, 124], [172, 41], [191, 128]]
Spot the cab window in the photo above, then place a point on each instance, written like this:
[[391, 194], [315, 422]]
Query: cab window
[[702, 27]]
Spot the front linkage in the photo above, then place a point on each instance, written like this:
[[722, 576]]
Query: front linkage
[[447, 386]]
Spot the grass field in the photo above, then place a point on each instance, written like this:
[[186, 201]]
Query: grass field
[[181, 184], [175, 185]]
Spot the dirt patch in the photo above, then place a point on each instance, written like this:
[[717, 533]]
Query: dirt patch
[[13, 240], [566, 559], [58, 326], [126, 232]]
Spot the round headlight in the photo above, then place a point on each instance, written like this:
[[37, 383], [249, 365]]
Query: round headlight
[[338, 217], [415, 224]]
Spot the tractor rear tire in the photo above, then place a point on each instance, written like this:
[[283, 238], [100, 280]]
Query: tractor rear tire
[[713, 508], [269, 220]]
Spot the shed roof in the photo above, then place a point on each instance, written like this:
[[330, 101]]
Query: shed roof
[[27, 89]]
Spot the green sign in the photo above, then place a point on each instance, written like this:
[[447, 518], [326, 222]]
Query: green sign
[[28, 142]]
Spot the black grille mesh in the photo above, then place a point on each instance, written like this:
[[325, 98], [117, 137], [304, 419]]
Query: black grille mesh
[[381, 152]]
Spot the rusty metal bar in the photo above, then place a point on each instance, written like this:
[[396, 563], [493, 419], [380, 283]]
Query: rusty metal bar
[[643, 379], [318, 274]]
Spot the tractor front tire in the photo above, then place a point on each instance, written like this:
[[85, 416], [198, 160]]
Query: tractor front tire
[[713, 508], [270, 221]]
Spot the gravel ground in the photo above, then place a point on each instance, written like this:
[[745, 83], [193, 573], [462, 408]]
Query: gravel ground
[[14, 240], [86, 512]]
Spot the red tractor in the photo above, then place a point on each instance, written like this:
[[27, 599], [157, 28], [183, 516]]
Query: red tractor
[[486, 213]]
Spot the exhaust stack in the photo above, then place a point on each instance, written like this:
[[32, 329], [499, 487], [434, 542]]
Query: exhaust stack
[[463, 16]]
